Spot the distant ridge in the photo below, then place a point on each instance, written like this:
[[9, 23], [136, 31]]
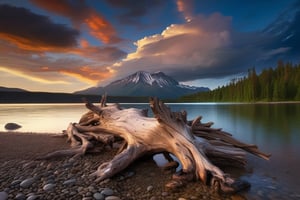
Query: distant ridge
[[45, 97], [145, 84], [6, 89]]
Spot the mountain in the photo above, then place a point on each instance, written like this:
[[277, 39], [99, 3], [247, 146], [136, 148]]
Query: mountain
[[6, 89], [145, 84]]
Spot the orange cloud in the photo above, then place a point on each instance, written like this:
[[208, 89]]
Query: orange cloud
[[31, 45], [44, 68], [80, 13], [84, 43], [34, 32], [37, 49], [88, 74], [100, 28]]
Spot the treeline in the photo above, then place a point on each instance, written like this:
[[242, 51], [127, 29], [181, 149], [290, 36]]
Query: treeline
[[279, 84], [44, 97]]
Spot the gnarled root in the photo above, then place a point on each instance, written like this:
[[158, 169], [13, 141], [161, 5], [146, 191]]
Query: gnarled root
[[199, 148]]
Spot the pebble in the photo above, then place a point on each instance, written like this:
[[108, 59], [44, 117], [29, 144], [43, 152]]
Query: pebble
[[70, 182], [87, 198], [149, 188], [12, 126], [3, 195], [105, 181], [27, 183], [98, 196], [49, 187], [62, 184], [79, 189], [32, 197], [88, 194], [107, 192], [129, 174], [20, 196], [67, 165], [28, 165], [112, 198], [91, 188], [65, 191], [15, 182], [164, 194]]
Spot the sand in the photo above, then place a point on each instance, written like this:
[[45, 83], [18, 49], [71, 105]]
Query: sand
[[16, 145]]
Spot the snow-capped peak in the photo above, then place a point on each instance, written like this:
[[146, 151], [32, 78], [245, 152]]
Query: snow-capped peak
[[158, 78], [146, 84], [141, 76]]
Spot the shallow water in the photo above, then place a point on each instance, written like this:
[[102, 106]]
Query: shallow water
[[273, 127]]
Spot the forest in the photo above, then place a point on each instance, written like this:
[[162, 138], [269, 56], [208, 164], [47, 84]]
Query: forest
[[273, 84]]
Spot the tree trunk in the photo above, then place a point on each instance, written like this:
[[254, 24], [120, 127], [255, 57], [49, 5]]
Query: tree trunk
[[198, 147]]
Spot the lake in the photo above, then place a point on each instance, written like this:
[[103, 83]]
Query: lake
[[275, 128]]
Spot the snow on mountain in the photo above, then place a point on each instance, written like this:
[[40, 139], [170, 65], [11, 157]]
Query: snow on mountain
[[143, 77], [145, 84]]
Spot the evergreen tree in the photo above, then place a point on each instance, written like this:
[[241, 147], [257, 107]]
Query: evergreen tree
[[279, 84]]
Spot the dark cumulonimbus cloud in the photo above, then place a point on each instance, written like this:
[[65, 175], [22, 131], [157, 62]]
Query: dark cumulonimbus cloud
[[22, 27], [80, 13]]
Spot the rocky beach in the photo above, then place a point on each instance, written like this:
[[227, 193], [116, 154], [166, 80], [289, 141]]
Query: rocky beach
[[24, 177]]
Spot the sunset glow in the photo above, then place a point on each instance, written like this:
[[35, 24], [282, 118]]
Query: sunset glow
[[80, 44]]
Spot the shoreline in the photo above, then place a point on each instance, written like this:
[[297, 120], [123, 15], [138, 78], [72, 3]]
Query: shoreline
[[167, 102], [27, 145], [142, 180]]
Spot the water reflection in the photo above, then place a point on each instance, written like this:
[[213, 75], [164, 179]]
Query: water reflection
[[273, 127], [41, 118]]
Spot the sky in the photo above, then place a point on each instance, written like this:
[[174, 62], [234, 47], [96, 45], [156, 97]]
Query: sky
[[70, 45]]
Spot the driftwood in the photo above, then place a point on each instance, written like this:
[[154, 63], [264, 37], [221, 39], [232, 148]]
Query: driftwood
[[199, 148]]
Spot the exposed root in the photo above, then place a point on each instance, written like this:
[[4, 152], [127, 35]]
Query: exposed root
[[199, 148]]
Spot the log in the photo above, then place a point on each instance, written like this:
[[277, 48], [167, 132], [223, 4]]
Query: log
[[199, 148]]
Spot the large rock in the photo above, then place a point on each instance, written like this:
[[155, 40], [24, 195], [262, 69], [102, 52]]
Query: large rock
[[12, 126], [27, 183], [3, 195]]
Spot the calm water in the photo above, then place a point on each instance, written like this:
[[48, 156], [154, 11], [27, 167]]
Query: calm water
[[275, 128]]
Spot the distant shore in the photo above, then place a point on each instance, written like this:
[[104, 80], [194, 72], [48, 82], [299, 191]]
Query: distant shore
[[70, 179], [45, 97]]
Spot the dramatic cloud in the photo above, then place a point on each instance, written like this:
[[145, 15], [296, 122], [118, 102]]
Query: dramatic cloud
[[35, 48], [203, 47], [100, 54], [86, 50], [53, 68], [80, 14], [34, 32], [88, 74], [182, 48]]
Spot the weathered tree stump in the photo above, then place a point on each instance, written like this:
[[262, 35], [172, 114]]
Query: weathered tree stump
[[199, 148]]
